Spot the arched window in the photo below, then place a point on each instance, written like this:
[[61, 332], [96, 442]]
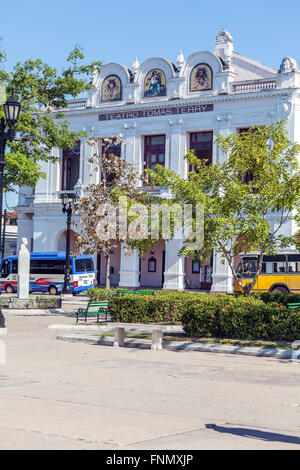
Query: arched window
[[155, 84], [111, 89], [201, 78]]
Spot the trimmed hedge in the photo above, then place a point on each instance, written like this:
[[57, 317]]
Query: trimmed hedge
[[278, 297], [151, 309], [206, 315], [242, 318], [100, 294]]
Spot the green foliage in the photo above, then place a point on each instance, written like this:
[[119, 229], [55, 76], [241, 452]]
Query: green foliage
[[236, 214], [100, 294], [277, 297], [100, 229], [43, 301], [242, 318], [41, 89], [206, 315], [150, 309]]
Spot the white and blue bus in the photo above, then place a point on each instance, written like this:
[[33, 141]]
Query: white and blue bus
[[47, 271]]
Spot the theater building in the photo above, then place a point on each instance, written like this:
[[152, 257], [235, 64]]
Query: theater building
[[162, 109]]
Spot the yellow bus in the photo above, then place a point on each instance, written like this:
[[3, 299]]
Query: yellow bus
[[280, 272]]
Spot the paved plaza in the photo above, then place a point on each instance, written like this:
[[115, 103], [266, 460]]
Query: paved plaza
[[61, 395]]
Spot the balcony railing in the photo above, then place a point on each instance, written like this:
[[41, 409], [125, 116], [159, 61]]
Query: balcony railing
[[249, 86], [77, 104]]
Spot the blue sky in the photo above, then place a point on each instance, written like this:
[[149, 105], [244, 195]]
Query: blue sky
[[119, 31]]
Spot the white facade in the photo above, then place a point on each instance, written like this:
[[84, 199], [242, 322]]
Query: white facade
[[244, 93]]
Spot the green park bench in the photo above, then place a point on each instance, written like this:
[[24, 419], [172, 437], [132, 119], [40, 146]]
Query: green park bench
[[124, 291], [145, 292], [294, 305], [135, 292], [92, 309]]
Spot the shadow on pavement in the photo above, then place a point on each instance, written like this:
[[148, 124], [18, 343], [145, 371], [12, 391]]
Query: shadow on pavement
[[255, 434]]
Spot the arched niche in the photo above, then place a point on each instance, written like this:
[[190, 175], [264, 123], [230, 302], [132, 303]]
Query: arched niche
[[199, 72], [155, 84], [112, 79], [111, 89], [153, 77], [61, 241], [201, 78]]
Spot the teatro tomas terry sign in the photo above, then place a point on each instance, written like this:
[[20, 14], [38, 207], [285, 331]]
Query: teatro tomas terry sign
[[155, 112]]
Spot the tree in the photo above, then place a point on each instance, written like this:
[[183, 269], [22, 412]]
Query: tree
[[260, 177], [43, 92], [100, 227]]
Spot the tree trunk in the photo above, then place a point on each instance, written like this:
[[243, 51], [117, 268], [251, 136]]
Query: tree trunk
[[107, 275]]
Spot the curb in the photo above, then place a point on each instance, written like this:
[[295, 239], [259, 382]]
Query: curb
[[32, 312], [174, 346]]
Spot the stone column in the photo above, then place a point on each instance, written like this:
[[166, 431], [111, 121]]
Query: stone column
[[222, 280], [131, 145], [128, 144], [40, 227], [176, 148], [23, 270], [174, 266], [129, 269]]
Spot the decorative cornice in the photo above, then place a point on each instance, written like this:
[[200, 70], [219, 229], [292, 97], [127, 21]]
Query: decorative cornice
[[212, 99]]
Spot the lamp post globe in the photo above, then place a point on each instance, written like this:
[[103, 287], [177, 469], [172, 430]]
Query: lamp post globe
[[11, 110]]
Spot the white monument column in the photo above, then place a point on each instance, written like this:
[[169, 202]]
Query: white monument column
[[129, 269], [23, 270]]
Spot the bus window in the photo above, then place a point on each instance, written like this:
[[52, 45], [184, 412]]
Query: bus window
[[279, 267], [249, 267], [47, 266], [267, 268], [275, 263], [84, 265], [5, 268], [14, 266], [294, 264]]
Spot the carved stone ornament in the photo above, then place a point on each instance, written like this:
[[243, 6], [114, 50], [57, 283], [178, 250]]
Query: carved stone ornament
[[135, 66], [224, 36], [95, 77], [180, 60], [284, 107], [288, 65]]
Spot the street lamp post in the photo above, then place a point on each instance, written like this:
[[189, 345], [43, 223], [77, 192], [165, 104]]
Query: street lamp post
[[68, 200], [7, 132]]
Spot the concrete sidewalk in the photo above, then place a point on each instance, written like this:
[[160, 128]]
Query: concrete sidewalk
[[60, 395], [171, 345]]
